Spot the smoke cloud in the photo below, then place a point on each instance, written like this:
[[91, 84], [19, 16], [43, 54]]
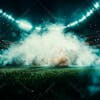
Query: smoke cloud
[[49, 46]]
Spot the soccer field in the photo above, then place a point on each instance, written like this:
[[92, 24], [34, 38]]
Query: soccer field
[[42, 83]]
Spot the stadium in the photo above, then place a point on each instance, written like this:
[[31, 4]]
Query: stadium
[[50, 50]]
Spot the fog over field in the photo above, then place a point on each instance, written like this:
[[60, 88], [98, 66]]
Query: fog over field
[[49, 45]]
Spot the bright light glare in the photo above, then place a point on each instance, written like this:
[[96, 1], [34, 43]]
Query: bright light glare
[[1, 11], [57, 28], [96, 5], [82, 19], [74, 23], [38, 28], [10, 17], [68, 25], [91, 11], [88, 14], [25, 25], [4, 14]]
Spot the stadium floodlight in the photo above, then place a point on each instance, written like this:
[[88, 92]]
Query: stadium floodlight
[[25, 25], [10, 17], [89, 13], [74, 23], [82, 19], [38, 28], [96, 5], [4, 14], [68, 25], [22, 24]]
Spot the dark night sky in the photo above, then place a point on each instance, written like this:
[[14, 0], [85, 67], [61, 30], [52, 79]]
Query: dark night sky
[[39, 10]]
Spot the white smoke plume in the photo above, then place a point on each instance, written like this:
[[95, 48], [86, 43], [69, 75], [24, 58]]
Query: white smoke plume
[[51, 47]]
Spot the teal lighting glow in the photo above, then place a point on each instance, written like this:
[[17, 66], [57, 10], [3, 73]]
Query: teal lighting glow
[[38, 28], [1, 11], [82, 19], [4, 14], [74, 23], [96, 5], [11, 18], [88, 14], [24, 24]]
